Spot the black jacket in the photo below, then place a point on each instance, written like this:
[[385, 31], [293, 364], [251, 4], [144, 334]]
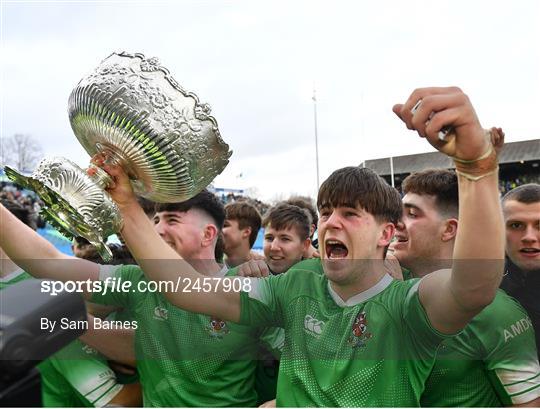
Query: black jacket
[[524, 287]]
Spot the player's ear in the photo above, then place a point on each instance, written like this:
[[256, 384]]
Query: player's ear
[[306, 244], [210, 233], [246, 232], [450, 230], [387, 233]]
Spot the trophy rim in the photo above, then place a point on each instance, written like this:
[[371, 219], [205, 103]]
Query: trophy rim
[[172, 82]]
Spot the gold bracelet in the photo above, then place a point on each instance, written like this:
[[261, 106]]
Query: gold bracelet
[[486, 164], [476, 178]]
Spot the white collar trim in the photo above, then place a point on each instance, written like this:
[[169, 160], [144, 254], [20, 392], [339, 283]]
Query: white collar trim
[[223, 271], [384, 282], [12, 275]]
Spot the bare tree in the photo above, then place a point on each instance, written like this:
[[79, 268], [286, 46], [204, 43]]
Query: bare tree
[[21, 151]]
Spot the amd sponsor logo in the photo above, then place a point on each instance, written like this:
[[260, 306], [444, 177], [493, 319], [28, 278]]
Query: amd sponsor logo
[[517, 328]]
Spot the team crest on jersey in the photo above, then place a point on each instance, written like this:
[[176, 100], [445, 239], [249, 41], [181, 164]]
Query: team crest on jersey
[[217, 327], [360, 333]]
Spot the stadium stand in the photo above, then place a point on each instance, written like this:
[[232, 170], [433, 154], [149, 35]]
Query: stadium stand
[[519, 164]]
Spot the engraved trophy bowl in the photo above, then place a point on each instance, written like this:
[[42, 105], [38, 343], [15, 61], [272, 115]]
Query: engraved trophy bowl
[[132, 112]]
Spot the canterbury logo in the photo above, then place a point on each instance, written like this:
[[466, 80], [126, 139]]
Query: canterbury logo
[[313, 325], [89, 350], [161, 313]]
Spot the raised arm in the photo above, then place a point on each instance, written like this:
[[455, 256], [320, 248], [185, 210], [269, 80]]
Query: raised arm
[[452, 297], [161, 263], [37, 256]]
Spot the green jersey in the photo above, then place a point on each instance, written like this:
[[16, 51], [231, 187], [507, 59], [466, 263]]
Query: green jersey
[[375, 349], [492, 362], [183, 358], [266, 374], [13, 278], [75, 376]]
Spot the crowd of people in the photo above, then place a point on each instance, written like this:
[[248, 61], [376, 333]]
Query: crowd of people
[[25, 198], [261, 206], [511, 183], [425, 297]]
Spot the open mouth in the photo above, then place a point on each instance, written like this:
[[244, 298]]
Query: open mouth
[[276, 258], [335, 249], [401, 239], [529, 251]]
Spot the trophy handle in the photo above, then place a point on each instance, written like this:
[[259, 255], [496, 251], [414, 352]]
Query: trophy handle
[[99, 176], [75, 202]]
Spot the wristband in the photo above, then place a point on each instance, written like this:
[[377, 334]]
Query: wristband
[[485, 165]]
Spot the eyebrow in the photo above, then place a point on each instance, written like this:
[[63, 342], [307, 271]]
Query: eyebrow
[[411, 206], [523, 219], [169, 215]]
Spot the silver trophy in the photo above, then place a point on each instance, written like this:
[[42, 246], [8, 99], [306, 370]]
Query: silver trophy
[[136, 115]]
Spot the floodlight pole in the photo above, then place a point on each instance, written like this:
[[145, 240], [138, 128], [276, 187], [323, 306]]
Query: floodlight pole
[[314, 98], [392, 171]]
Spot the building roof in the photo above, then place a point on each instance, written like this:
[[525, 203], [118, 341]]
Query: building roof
[[511, 152]]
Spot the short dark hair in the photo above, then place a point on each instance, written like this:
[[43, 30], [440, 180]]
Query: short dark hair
[[22, 213], [305, 203], [219, 250], [147, 205], [121, 254], [246, 215], [440, 183], [529, 193], [204, 201], [287, 216], [353, 186]]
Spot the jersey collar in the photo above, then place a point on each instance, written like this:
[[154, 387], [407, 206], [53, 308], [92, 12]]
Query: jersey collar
[[12, 275], [359, 298], [223, 271]]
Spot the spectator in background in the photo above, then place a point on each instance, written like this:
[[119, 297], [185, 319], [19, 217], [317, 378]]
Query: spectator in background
[[476, 368], [286, 236], [306, 203], [242, 224], [506, 185], [80, 246], [231, 198], [521, 210]]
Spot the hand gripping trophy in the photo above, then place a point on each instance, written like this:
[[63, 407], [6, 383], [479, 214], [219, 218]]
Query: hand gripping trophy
[[131, 111]]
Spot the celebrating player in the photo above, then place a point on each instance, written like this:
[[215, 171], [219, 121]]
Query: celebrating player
[[354, 336]]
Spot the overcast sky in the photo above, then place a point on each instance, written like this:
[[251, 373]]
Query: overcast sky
[[255, 63]]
